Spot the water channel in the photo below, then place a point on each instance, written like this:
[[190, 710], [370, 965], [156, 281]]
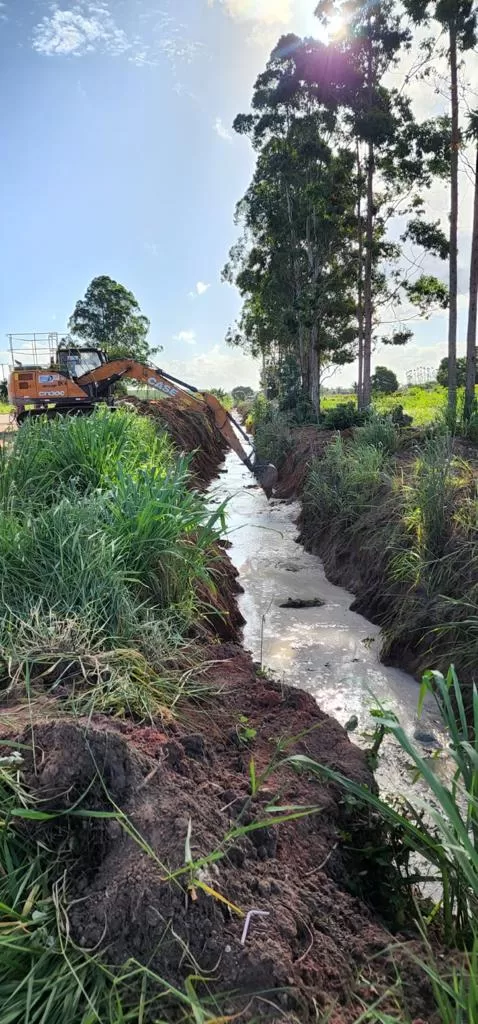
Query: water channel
[[328, 650]]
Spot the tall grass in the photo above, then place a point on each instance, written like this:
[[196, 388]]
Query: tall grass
[[81, 453], [100, 529], [344, 483]]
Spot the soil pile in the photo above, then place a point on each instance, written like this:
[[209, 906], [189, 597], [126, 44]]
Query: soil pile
[[193, 779]]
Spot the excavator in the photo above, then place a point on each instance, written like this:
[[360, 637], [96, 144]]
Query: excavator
[[78, 379]]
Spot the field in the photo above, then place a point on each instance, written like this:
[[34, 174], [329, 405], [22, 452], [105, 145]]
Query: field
[[423, 404]]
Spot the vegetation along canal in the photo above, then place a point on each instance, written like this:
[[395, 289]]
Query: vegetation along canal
[[322, 646]]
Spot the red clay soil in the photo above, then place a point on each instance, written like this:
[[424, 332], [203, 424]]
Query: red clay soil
[[314, 948], [308, 444]]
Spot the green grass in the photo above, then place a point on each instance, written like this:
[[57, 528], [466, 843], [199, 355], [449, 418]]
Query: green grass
[[412, 530], [5, 408], [101, 539], [424, 404], [344, 483]]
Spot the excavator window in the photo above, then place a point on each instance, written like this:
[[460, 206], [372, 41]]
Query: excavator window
[[74, 362]]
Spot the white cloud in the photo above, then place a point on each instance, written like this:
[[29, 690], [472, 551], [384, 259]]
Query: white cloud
[[272, 12], [188, 336], [221, 130], [199, 289], [220, 367], [82, 29]]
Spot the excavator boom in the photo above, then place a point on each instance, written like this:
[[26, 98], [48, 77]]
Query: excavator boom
[[35, 390]]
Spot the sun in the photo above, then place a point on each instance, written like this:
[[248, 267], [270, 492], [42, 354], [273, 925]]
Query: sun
[[311, 26], [336, 26]]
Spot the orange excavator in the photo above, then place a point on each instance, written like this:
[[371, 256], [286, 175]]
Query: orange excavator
[[77, 379]]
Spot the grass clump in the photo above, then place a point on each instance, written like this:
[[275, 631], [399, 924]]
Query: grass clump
[[380, 432], [343, 484], [99, 528], [272, 435]]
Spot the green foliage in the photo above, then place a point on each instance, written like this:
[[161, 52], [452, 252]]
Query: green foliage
[[430, 496], [110, 318], [3, 391], [430, 236], [272, 438], [427, 292], [242, 394], [343, 416], [381, 432], [384, 381], [343, 484], [442, 373], [442, 829], [99, 533], [224, 398]]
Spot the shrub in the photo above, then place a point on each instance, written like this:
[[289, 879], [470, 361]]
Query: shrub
[[340, 417], [381, 432], [273, 439]]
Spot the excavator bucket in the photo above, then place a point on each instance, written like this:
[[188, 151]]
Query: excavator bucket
[[264, 472], [266, 475]]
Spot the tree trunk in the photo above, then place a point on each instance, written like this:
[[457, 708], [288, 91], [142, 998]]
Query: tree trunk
[[314, 385], [303, 354], [472, 308], [453, 282], [367, 286], [360, 283]]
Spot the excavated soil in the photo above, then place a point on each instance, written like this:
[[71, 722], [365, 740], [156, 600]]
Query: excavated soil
[[318, 946], [183, 787]]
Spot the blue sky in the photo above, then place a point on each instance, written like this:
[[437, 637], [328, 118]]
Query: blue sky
[[118, 158]]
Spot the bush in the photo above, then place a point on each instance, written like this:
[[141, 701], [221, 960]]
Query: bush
[[273, 439], [341, 417], [381, 432], [384, 381]]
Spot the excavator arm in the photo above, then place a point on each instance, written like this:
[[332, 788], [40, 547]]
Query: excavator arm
[[102, 377]]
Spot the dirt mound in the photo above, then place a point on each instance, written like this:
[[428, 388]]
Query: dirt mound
[[193, 779], [192, 427], [125, 901]]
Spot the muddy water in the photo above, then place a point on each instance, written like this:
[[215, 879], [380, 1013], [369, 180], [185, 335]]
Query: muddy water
[[328, 650]]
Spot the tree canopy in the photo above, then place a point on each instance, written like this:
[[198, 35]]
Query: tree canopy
[[384, 381], [314, 265], [109, 316]]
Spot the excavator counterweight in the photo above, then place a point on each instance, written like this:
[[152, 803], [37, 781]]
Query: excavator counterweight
[[78, 379]]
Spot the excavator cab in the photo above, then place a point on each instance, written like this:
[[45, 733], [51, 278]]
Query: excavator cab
[[73, 362]]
